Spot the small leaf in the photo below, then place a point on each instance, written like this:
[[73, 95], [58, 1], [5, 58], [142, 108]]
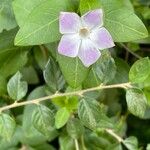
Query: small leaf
[[73, 70], [53, 76], [140, 70], [7, 126], [105, 67], [43, 119], [131, 143], [70, 102], [61, 117], [74, 128], [136, 102], [16, 88]]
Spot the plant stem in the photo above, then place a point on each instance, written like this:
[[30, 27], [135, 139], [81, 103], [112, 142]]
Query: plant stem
[[127, 49], [82, 142], [79, 93], [76, 144], [118, 138]]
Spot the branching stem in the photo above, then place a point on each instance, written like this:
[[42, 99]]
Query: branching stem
[[79, 93]]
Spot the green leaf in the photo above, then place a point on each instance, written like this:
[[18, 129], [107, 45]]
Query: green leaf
[[16, 88], [7, 126], [6, 15], [87, 5], [66, 143], [124, 25], [140, 70], [43, 119], [53, 76], [41, 56], [3, 85], [131, 143], [122, 72], [11, 58], [61, 117], [136, 102], [41, 25], [70, 102], [31, 136], [30, 75], [105, 67], [74, 128], [92, 79], [89, 112], [73, 70]]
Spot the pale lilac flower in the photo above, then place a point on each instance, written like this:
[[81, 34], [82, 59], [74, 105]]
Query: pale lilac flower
[[83, 36]]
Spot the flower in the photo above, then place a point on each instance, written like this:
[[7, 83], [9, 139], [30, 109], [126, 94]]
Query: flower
[[83, 36]]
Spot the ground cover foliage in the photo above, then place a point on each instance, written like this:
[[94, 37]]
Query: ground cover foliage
[[49, 101]]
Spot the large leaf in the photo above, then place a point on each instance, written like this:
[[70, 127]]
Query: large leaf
[[16, 88], [43, 119], [140, 70], [87, 5], [11, 58], [136, 102], [41, 25], [7, 126], [119, 19], [124, 25], [6, 15], [73, 70]]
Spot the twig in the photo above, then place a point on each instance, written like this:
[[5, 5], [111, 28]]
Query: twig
[[118, 138], [127, 49], [79, 93], [76, 144]]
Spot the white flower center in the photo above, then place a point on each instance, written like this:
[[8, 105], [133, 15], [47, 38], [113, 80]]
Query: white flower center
[[84, 32]]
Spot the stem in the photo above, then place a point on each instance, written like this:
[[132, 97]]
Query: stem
[[76, 144], [79, 93], [118, 138], [127, 49], [83, 144]]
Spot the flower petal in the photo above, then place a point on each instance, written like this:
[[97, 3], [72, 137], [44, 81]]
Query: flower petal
[[69, 45], [69, 22], [102, 38], [93, 18], [88, 53]]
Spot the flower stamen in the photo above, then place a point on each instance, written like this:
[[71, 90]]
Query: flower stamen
[[84, 32]]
